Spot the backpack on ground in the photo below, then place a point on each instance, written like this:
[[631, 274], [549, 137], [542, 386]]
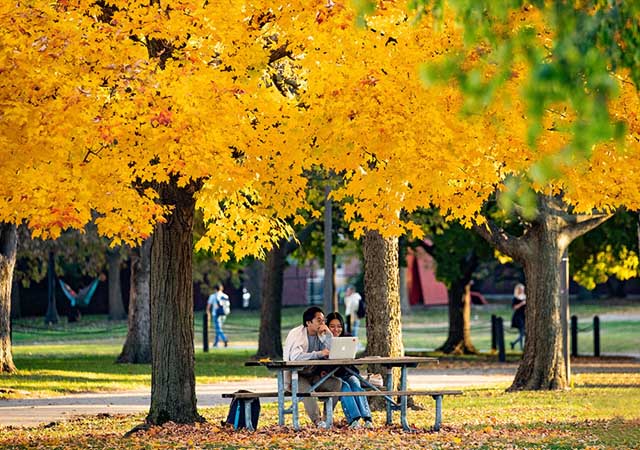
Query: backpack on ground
[[362, 309], [236, 416]]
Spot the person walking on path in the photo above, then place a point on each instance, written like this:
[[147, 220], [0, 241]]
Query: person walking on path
[[218, 303], [351, 303], [311, 340], [518, 304], [354, 408]]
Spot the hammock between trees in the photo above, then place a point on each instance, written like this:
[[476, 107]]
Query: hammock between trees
[[83, 296]]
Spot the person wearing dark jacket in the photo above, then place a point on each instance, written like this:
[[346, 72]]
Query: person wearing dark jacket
[[518, 304]]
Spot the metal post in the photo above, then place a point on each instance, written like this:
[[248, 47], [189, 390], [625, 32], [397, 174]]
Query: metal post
[[294, 398], [328, 257], [564, 312], [494, 344], [574, 335], [502, 357], [205, 331], [438, 399], [388, 400], [281, 398], [596, 336]]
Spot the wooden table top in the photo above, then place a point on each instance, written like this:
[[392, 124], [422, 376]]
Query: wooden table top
[[409, 361]]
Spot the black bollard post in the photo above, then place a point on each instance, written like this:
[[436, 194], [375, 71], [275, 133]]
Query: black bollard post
[[596, 336], [502, 357], [205, 331], [574, 335], [494, 344]]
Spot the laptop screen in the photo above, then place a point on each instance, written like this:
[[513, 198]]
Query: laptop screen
[[343, 348]]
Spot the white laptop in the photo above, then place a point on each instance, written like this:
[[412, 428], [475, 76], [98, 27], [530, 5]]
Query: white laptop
[[343, 348]]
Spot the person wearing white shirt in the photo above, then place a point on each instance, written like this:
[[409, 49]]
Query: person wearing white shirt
[[218, 304], [311, 340]]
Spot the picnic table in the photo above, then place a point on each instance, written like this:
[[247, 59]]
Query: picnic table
[[332, 365]]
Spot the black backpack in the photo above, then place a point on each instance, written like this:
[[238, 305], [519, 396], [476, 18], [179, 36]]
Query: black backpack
[[236, 417], [362, 309]]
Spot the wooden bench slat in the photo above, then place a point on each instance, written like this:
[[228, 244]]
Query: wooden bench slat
[[383, 393], [259, 394]]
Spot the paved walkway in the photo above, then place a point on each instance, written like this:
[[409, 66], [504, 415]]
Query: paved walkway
[[31, 412]]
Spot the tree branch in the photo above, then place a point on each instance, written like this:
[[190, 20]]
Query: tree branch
[[515, 247], [584, 223], [300, 237]]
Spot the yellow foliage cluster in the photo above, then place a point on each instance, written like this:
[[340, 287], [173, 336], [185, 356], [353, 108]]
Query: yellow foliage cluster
[[599, 267], [100, 104]]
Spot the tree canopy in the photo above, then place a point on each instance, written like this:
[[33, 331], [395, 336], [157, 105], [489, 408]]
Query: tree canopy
[[243, 97]]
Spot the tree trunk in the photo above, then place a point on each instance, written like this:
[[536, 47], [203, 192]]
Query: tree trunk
[[539, 249], [173, 393], [137, 347], [543, 364], [116, 306], [270, 341], [459, 339], [381, 292], [381, 278], [253, 282], [8, 244], [51, 316]]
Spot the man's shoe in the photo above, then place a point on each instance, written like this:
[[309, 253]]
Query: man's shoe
[[321, 424], [354, 425], [226, 343], [368, 424]]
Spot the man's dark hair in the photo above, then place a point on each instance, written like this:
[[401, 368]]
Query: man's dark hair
[[309, 314]]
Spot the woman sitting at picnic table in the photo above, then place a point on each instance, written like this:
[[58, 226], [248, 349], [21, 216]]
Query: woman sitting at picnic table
[[350, 382]]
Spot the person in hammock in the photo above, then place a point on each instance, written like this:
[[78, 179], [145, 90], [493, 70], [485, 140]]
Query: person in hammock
[[81, 297]]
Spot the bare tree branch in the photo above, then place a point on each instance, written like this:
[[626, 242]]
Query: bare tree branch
[[515, 247], [584, 223]]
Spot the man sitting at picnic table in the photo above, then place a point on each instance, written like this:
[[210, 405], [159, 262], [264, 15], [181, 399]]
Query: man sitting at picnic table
[[311, 340]]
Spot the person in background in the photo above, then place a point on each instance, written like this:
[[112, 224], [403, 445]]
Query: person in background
[[350, 383], [351, 302], [311, 340], [518, 304], [215, 304], [246, 297]]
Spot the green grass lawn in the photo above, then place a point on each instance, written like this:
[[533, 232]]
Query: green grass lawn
[[55, 369], [424, 328], [80, 357]]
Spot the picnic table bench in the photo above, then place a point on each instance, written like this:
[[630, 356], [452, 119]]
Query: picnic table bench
[[280, 367]]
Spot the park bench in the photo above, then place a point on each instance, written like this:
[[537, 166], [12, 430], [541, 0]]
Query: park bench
[[246, 398], [391, 404]]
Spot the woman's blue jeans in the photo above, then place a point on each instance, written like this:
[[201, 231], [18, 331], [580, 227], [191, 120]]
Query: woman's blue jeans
[[354, 407], [217, 323]]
